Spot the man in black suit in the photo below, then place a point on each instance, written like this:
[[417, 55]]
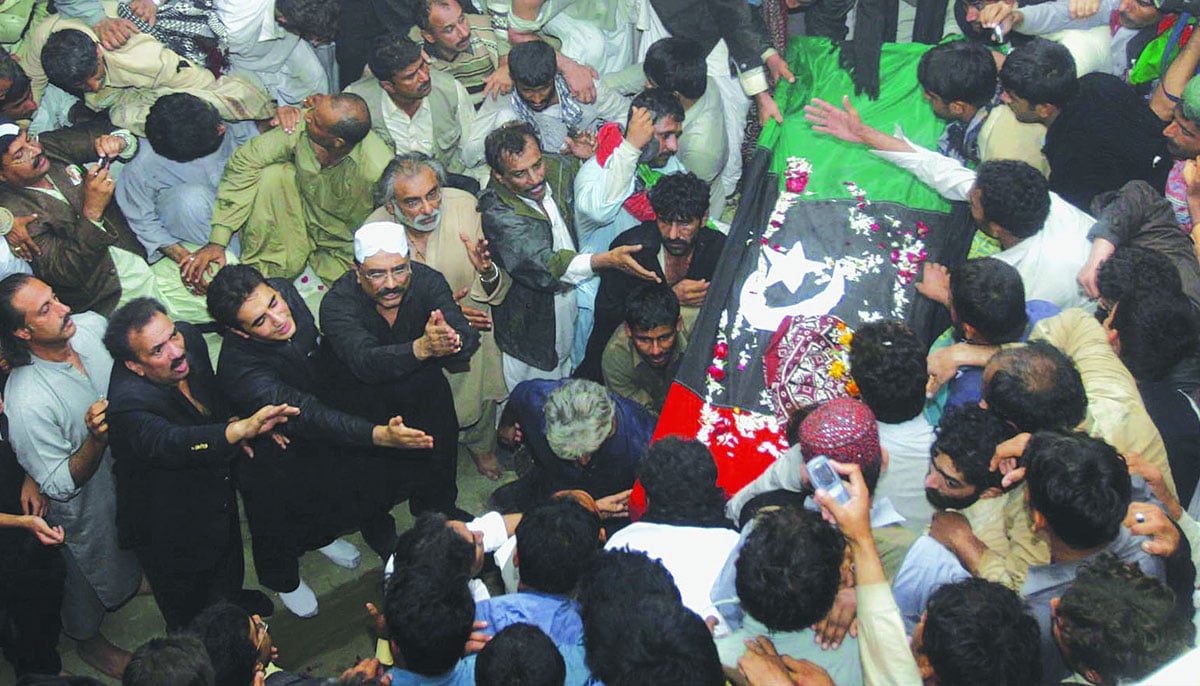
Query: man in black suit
[[174, 444]]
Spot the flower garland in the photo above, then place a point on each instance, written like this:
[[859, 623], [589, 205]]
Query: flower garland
[[904, 247]]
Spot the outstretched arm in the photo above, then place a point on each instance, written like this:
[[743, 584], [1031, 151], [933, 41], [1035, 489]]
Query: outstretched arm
[[847, 125]]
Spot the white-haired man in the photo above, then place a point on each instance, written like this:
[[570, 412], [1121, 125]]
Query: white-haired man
[[592, 440]]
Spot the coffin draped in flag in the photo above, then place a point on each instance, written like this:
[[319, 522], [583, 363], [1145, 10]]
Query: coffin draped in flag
[[823, 227]]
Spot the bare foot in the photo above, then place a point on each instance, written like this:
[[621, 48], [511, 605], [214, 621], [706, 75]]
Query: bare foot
[[103, 656], [488, 465]]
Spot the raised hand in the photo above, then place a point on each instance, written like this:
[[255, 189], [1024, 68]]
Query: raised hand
[[839, 123], [478, 319], [935, 283], [778, 67], [621, 258], [641, 128], [582, 145], [399, 435], [48, 535], [109, 146], [98, 187], [440, 338], [581, 80], [195, 270], [287, 118], [615, 505], [768, 109], [114, 32], [1007, 458], [146, 10], [96, 419], [691, 292], [499, 83]]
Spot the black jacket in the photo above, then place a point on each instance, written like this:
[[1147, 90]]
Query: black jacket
[[175, 492], [256, 373], [617, 286], [522, 244]]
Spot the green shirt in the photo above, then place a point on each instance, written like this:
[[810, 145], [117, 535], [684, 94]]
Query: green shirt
[[627, 374], [335, 201]]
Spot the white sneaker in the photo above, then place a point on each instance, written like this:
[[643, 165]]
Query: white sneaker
[[342, 553], [302, 601]]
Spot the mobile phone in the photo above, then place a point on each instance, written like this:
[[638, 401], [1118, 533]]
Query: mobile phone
[[105, 161], [998, 33], [822, 475]]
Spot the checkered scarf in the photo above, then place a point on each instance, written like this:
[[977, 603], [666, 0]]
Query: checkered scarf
[[189, 27], [572, 111]]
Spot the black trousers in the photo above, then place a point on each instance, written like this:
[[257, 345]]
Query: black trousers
[[31, 593], [183, 591]]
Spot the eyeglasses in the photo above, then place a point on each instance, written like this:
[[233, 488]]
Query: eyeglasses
[[379, 276], [431, 197]]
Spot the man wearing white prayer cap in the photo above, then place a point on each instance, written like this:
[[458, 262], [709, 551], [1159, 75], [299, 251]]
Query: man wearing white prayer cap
[[392, 325]]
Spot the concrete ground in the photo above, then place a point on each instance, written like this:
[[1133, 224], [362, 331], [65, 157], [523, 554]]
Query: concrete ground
[[323, 645]]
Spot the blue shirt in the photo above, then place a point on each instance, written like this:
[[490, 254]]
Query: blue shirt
[[556, 616], [463, 674]]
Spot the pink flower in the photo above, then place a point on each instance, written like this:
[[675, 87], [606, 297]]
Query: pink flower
[[797, 183], [922, 229], [720, 351], [895, 256], [874, 227], [716, 373]]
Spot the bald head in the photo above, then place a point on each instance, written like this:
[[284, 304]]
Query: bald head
[[351, 118]]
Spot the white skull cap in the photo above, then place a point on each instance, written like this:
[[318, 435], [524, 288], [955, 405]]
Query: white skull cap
[[377, 237]]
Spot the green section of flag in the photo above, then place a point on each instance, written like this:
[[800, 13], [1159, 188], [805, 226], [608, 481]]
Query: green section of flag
[[834, 161]]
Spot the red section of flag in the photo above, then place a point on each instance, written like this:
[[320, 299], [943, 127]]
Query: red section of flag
[[738, 457]]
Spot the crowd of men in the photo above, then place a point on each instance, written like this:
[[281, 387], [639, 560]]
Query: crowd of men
[[286, 260]]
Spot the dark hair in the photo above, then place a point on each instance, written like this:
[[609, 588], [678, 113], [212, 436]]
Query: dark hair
[[662, 643], [555, 543], [618, 578], [228, 292], [1135, 267], [1080, 485], [16, 350], [959, 71], [887, 361], [172, 661], [392, 54], [424, 8], [128, 318], [978, 634], [1035, 387], [968, 435], [1042, 72], [11, 70], [224, 630], [507, 141], [532, 64], [309, 19], [789, 569], [431, 541], [1119, 622], [680, 479], [989, 295], [520, 655], [652, 306], [677, 64], [660, 102], [1014, 196], [69, 58], [354, 118], [429, 617], [182, 127], [681, 196], [1156, 330]]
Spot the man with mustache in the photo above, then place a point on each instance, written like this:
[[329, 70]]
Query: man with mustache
[[67, 211], [174, 445], [413, 108], [58, 419], [444, 233], [392, 325], [642, 357], [527, 216], [677, 246]]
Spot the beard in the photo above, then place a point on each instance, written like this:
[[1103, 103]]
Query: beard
[[424, 223], [945, 502]]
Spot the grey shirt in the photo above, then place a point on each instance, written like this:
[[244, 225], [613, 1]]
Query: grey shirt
[[46, 403]]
